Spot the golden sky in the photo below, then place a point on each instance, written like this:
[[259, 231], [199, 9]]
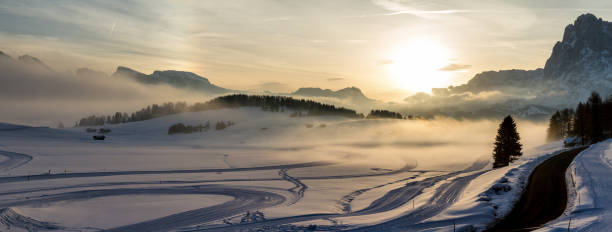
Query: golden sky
[[388, 48]]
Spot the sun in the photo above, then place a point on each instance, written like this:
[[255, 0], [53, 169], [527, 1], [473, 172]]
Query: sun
[[416, 65]]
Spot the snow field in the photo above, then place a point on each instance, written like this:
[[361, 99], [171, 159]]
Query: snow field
[[348, 174]]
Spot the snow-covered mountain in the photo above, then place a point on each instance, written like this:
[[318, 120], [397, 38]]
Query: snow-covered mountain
[[579, 64], [582, 61], [179, 79]]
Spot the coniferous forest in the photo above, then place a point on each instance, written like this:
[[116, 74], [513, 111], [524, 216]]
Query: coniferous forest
[[268, 103], [384, 114], [590, 122]]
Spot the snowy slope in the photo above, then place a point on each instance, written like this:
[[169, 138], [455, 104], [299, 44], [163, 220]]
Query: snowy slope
[[590, 208], [330, 171]]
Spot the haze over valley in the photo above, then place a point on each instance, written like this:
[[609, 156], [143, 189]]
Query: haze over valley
[[373, 115]]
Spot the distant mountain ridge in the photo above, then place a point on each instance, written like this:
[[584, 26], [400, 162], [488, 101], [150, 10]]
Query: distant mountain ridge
[[351, 93], [579, 64], [179, 79]]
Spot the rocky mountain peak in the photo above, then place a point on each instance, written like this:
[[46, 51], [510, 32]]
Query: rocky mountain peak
[[586, 44], [179, 79]]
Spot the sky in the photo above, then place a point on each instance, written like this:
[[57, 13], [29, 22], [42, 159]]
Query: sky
[[388, 48]]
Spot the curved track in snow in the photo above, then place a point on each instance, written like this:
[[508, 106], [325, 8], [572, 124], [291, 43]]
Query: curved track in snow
[[299, 188], [444, 197], [47, 176], [245, 199], [123, 183], [14, 160], [11, 219], [345, 201]]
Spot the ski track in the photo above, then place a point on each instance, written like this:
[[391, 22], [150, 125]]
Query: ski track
[[47, 176], [444, 197], [11, 219], [14, 160], [184, 219], [245, 199], [299, 188], [105, 184], [345, 202]]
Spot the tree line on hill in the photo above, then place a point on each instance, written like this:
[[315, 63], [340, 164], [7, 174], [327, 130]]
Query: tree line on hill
[[186, 129], [384, 114], [149, 112], [590, 122], [267, 103]]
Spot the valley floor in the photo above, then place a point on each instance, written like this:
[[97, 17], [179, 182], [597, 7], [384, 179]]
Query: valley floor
[[267, 172]]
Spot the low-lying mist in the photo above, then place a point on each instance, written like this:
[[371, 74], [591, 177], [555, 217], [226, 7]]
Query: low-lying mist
[[430, 144], [35, 95], [437, 144]]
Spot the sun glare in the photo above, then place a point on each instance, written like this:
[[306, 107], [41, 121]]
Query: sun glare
[[416, 65]]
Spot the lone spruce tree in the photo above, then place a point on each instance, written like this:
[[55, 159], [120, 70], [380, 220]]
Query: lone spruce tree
[[507, 145]]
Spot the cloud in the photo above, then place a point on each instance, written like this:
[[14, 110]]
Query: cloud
[[271, 86], [427, 12], [385, 62], [335, 79], [455, 67], [279, 19], [358, 41], [31, 94], [401, 7]]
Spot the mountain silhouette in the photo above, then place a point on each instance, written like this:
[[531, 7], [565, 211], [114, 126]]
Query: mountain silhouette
[[178, 79], [579, 64]]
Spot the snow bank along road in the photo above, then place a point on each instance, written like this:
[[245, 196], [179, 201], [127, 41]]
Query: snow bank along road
[[591, 204], [544, 198]]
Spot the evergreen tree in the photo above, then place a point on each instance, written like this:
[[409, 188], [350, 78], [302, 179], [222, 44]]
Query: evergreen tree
[[606, 117], [555, 127], [596, 133], [580, 122], [507, 145], [567, 116]]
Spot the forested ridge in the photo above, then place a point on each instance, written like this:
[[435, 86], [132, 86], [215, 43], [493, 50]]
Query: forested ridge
[[268, 103]]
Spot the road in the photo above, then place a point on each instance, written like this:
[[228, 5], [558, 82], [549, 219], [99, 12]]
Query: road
[[544, 198]]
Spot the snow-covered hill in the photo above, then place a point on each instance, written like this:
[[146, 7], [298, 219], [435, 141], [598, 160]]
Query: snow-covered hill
[[332, 172]]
